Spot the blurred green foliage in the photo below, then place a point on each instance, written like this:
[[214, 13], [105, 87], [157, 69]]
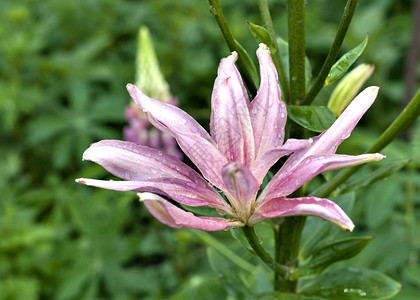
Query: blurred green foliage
[[63, 70]]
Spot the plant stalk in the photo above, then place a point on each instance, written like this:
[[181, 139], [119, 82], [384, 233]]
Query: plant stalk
[[333, 53], [296, 37], [260, 251], [230, 41], [288, 242]]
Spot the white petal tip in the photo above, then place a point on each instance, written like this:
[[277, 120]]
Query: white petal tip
[[80, 180]]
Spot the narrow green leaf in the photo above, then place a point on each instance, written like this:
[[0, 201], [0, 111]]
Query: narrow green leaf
[[344, 63], [379, 174], [261, 35], [329, 254], [313, 118], [351, 284]]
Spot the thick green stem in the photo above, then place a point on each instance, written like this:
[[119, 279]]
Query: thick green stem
[[268, 24], [260, 251], [230, 41], [288, 241], [400, 124], [296, 36], [333, 53]]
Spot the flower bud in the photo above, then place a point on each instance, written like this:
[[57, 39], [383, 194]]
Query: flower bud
[[148, 75], [348, 87]]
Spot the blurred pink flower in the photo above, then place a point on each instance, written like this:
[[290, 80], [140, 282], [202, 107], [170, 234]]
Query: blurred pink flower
[[246, 140]]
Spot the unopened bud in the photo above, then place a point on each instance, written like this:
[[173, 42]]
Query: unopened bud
[[348, 87], [148, 75]]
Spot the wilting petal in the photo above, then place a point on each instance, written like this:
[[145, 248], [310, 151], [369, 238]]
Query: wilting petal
[[173, 216], [194, 141], [242, 187], [306, 206], [261, 166], [184, 192], [287, 180], [268, 112], [230, 123]]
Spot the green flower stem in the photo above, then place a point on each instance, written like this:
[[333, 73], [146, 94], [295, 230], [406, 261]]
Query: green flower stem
[[226, 251], [260, 251], [333, 53], [230, 41], [400, 124], [268, 24], [288, 242], [296, 37]]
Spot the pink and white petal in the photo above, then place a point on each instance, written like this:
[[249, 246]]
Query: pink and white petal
[[242, 187], [329, 140], [180, 191], [263, 163], [230, 123], [174, 216], [131, 161], [287, 180], [193, 140], [268, 112], [306, 206]]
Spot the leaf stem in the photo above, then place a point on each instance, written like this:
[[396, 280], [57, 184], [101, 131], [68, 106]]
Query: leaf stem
[[268, 24], [260, 251], [400, 124], [232, 44], [296, 37], [333, 53]]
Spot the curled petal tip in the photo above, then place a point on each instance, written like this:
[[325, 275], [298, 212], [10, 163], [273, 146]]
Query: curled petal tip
[[80, 180]]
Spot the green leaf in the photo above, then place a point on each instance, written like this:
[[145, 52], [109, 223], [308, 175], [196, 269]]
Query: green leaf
[[261, 35], [345, 62], [313, 118], [351, 283], [329, 254], [372, 177]]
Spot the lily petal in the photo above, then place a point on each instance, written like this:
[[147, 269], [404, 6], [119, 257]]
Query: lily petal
[[329, 140], [287, 180], [173, 216], [131, 161], [230, 123], [306, 206], [242, 187], [194, 141], [268, 112], [263, 163], [184, 192]]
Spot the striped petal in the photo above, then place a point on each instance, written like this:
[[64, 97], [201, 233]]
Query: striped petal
[[194, 141], [287, 180], [306, 206], [230, 123], [263, 163], [174, 216], [184, 192], [268, 112]]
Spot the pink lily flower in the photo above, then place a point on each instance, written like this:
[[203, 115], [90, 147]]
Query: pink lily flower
[[246, 140]]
